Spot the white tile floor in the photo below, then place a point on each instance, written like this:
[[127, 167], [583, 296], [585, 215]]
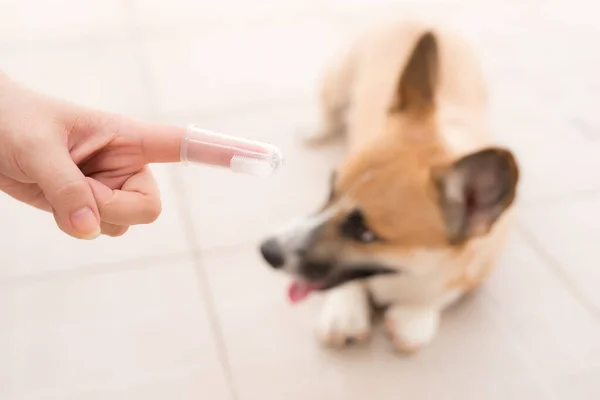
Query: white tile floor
[[185, 309]]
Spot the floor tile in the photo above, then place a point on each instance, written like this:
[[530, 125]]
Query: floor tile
[[366, 13], [26, 21], [123, 334], [554, 330], [582, 386], [194, 70], [364, 5], [105, 76], [539, 107], [189, 386], [277, 357], [229, 209], [481, 352], [152, 14], [567, 232], [34, 245]]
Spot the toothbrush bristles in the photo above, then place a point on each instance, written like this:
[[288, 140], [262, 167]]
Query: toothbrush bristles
[[251, 165]]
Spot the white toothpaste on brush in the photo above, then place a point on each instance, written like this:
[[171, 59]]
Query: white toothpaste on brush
[[239, 155]]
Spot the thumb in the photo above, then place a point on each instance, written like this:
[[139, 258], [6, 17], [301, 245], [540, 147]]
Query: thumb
[[67, 190]]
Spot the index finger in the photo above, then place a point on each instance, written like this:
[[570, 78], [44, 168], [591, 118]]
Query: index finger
[[160, 143], [163, 143]]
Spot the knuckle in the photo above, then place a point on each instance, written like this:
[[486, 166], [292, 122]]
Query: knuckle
[[71, 189], [104, 124]]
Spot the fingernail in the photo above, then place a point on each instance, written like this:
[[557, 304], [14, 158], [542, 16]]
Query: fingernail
[[85, 223]]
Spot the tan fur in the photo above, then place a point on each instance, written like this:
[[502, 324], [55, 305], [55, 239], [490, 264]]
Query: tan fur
[[366, 80]]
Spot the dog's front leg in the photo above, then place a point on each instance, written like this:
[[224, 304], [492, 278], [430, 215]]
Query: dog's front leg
[[346, 316]]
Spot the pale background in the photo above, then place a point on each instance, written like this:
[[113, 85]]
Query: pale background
[[184, 309]]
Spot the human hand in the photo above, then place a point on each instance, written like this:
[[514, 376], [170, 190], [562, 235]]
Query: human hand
[[89, 168]]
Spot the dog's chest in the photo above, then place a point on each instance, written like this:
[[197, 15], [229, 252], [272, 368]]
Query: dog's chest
[[424, 278]]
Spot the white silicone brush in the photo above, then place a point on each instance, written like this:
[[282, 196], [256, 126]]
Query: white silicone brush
[[237, 154]]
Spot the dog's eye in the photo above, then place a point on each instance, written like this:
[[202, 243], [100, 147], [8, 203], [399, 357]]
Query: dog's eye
[[355, 227]]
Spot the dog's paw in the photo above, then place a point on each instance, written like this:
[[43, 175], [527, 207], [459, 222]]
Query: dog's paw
[[345, 318], [411, 328], [342, 325]]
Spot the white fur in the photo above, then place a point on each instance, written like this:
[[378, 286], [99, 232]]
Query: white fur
[[422, 278], [345, 316], [412, 327], [294, 235]]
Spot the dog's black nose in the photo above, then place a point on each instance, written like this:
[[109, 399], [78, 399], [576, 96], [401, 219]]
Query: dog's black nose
[[272, 253]]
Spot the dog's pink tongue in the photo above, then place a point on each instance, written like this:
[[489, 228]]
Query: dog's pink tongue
[[299, 291]]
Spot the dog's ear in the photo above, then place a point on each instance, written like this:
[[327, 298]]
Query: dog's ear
[[418, 81], [475, 190]]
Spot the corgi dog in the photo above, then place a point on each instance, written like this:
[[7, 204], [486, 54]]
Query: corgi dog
[[420, 207]]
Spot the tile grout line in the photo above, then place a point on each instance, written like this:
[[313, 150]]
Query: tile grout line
[[558, 271], [184, 213], [532, 364], [558, 199], [288, 102], [17, 47], [109, 267], [167, 30], [204, 285]]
